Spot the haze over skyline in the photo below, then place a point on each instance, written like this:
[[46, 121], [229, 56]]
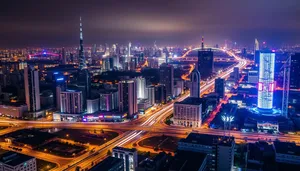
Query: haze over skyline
[[56, 23]]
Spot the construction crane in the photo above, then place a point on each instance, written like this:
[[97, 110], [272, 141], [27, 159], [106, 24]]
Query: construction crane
[[286, 86]]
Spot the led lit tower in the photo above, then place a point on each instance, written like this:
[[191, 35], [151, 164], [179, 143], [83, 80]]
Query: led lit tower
[[81, 55], [266, 83], [195, 84]]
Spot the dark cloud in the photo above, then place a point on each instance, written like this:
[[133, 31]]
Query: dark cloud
[[176, 22]]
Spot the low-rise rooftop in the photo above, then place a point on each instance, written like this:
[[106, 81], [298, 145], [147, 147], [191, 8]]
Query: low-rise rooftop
[[206, 139], [289, 148], [191, 101], [132, 150], [186, 160], [14, 159], [107, 164]]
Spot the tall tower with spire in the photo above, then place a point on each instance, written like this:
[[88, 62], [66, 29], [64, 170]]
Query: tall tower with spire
[[195, 84], [84, 79], [82, 64]]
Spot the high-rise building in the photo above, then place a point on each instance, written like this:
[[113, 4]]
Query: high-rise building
[[84, 79], [205, 63], [166, 77], [63, 56], [195, 84], [109, 100], [94, 50], [129, 155], [129, 49], [59, 85], [71, 102], [150, 94], [92, 105], [160, 94], [256, 45], [266, 84], [256, 52], [32, 88], [220, 87], [295, 70], [84, 75], [128, 97], [202, 43], [253, 76], [141, 87], [236, 74], [82, 63]]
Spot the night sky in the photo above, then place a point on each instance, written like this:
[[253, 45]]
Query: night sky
[[55, 23]]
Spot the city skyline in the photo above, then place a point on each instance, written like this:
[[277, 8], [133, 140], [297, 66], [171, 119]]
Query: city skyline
[[136, 104], [53, 24]]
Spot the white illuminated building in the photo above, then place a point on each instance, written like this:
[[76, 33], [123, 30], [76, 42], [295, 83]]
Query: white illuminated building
[[266, 83], [141, 87], [188, 113]]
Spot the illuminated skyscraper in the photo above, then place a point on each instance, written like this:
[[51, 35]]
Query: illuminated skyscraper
[[166, 77], [256, 52], [195, 84], [150, 94], [256, 45], [129, 49], [84, 75], [266, 83], [128, 97], [81, 54], [220, 87], [141, 87], [205, 63], [32, 88], [295, 70], [71, 102]]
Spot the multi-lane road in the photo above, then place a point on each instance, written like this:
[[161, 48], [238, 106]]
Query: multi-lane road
[[136, 129]]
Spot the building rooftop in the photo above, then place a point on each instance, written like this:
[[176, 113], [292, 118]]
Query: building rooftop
[[13, 159], [13, 104], [107, 91], [107, 164], [289, 148], [258, 150], [206, 139], [186, 160], [132, 150], [191, 101]]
